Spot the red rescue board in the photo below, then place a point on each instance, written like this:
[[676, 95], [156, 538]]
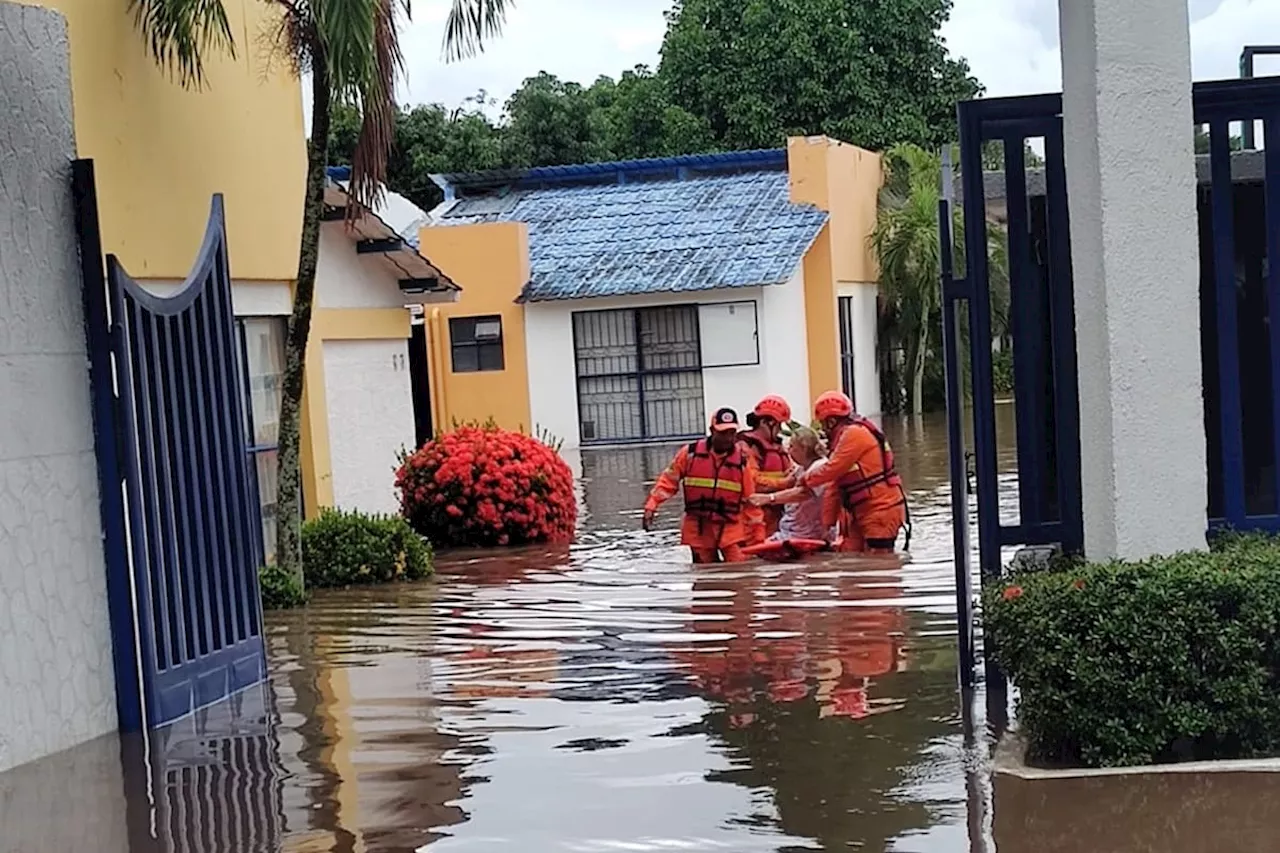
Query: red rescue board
[[786, 550]]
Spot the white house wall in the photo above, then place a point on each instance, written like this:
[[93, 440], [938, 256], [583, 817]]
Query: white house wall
[[346, 279], [866, 373], [783, 367], [784, 344], [370, 412]]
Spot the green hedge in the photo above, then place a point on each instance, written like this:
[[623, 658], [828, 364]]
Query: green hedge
[[1171, 659], [280, 590], [347, 548]]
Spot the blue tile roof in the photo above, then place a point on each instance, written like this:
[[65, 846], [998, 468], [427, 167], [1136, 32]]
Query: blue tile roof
[[655, 236], [681, 167]]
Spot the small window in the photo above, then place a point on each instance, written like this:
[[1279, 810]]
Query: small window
[[476, 343]]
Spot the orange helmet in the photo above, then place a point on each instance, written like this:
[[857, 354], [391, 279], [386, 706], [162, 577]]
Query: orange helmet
[[832, 404], [774, 407]]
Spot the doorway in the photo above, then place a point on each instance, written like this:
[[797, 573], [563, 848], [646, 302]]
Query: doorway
[[420, 380]]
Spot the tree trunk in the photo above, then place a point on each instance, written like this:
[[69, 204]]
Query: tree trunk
[[289, 500], [919, 358]]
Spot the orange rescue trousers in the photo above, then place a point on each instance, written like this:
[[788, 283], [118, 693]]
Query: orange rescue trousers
[[714, 542], [872, 532]]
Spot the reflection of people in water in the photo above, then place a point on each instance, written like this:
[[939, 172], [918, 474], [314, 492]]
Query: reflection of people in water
[[809, 699], [780, 652]]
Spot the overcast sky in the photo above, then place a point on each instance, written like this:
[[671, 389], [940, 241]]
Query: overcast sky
[[1011, 45]]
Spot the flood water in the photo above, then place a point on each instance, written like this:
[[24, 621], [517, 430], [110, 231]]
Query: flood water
[[604, 697]]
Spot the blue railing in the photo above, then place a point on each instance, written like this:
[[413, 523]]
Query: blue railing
[[1240, 289]]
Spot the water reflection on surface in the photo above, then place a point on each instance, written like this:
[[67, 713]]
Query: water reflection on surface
[[601, 698]]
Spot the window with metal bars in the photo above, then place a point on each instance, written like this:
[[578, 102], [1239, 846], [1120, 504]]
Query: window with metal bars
[[639, 373]]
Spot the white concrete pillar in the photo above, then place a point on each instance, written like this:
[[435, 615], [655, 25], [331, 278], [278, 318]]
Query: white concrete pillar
[[1126, 71]]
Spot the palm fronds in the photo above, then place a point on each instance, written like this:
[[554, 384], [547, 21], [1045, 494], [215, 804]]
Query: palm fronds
[[180, 33], [471, 23]]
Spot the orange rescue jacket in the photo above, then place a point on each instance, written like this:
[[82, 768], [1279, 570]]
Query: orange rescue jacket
[[869, 477], [713, 486]]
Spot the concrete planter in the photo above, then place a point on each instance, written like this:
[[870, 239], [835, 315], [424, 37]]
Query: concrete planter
[[1210, 806]]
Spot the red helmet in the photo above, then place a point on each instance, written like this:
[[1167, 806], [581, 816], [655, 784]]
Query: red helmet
[[832, 404], [774, 407]]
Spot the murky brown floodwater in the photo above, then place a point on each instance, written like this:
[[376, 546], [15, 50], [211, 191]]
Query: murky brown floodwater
[[607, 697]]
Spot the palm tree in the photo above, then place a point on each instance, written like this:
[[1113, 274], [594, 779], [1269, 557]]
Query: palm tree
[[906, 244], [351, 50]]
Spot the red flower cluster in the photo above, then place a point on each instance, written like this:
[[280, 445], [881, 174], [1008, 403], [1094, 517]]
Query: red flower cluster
[[487, 486]]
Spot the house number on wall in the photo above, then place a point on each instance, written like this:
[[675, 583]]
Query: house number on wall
[[398, 362]]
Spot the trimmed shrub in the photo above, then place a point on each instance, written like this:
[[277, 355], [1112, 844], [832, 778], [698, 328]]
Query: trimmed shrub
[[279, 589], [348, 548], [481, 485], [1170, 659]]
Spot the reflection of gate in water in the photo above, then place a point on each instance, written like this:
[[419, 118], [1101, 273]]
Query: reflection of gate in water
[[639, 374], [215, 782]]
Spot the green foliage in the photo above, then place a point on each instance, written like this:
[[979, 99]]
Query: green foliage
[[547, 122], [280, 590], [734, 75], [873, 74], [554, 123], [1170, 659], [906, 243], [1234, 142], [548, 438], [993, 156], [180, 34], [1002, 371], [346, 548]]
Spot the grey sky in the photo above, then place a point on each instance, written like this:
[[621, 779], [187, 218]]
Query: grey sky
[[1012, 45]]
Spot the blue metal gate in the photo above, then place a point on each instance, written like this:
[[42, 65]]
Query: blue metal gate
[[182, 535], [1239, 214], [1042, 329], [1239, 207]]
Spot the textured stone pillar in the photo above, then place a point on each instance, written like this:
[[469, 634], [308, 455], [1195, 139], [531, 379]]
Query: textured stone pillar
[[1126, 70]]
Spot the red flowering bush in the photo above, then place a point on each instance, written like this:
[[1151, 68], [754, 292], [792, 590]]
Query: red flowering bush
[[481, 485]]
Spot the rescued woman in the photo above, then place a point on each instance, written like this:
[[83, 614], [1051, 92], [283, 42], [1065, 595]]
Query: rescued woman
[[802, 513]]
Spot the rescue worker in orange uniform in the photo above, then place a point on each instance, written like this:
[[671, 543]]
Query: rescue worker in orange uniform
[[716, 477], [762, 441], [868, 501]]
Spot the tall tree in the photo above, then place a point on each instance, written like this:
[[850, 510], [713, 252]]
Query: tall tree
[[547, 122], [873, 74], [429, 139], [906, 242], [552, 122], [350, 50], [643, 121]]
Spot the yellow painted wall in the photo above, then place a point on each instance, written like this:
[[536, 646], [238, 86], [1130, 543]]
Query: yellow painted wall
[[490, 262], [823, 332], [843, 180], [161, 151]]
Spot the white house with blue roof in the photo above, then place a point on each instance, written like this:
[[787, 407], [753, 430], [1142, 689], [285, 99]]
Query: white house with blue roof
[[656, 291]]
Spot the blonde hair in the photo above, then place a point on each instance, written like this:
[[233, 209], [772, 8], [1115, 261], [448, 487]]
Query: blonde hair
[[808, 439]]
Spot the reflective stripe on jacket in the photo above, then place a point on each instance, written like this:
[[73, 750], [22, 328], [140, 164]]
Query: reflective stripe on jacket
[[713, 486]]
